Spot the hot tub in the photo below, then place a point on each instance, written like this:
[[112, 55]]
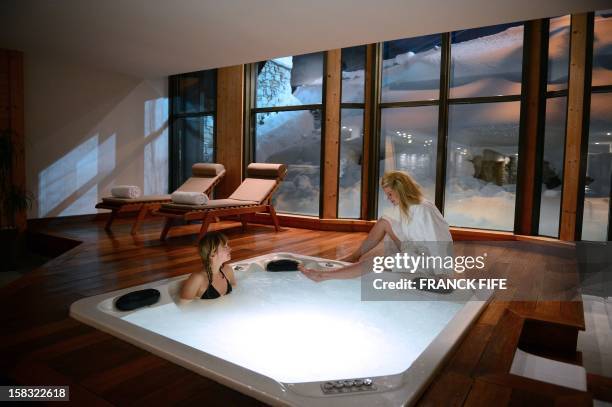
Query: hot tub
[[286, 340]]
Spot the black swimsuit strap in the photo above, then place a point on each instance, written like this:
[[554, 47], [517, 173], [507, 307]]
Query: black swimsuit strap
[[212, 293]]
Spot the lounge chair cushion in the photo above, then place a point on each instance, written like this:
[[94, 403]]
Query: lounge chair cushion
[[196, 184], [212, 204], [207, 170], [266, 170], [142, 199], [254, 189]]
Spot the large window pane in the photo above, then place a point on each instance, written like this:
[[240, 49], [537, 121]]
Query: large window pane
[[292, 138], [353, 74], [552, 166], [411, 69], [196, 92], [599, 169], [482, 165], [290, 81], [351, 151], [409, 143], [486, 61], [558, 52], [195, 135], [602, 49]]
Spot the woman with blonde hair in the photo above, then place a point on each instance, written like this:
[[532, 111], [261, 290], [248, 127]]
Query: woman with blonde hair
[[216, 278], [413, 219]]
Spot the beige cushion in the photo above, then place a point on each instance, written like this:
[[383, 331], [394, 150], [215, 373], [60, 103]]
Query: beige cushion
[[206, 169], [254, 189], [266, 170], [143, 199], [212, 204], [197, 184]]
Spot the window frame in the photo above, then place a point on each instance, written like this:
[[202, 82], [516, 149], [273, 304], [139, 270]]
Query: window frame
[[250, 126], [175, 162], [590, 90]]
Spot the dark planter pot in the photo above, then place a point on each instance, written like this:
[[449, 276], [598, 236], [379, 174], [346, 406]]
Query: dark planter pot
[[8, 249]]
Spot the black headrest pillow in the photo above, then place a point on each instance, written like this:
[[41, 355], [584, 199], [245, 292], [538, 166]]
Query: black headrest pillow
[[282, 265], [137, 299]]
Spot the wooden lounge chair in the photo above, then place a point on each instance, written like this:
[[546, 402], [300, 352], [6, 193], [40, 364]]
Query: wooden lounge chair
[[204, 178], [252, 196]]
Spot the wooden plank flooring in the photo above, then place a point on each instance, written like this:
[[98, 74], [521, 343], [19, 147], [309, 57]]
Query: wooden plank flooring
[[40, 344]]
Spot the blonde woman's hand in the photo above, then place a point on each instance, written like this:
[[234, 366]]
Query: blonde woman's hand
[[315, 275]]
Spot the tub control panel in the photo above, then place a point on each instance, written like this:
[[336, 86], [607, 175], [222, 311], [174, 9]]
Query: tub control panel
[[348, 386]]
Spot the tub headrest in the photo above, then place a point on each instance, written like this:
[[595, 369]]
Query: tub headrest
[[137, 299], [282, 265]]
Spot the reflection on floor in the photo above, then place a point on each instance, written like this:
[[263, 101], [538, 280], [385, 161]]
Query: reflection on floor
[[7, 277], [596, 342]]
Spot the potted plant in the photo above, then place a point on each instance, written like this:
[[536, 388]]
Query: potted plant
[[13, 199]]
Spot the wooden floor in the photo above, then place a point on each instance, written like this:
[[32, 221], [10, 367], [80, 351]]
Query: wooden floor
[[40, 344]]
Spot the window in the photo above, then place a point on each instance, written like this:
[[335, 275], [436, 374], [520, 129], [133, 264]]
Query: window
[[476, 117], [596, 213], [192, 121], [486, 61], [409, 111], [351, 132], [287, 121], [483, 127], [408, 140], [411, 69], [554, 126]]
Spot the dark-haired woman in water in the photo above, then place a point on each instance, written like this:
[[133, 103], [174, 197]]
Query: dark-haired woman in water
[[216, 278]]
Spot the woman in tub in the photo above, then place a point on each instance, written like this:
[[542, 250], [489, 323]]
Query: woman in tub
[[414, 220], [216, 278]]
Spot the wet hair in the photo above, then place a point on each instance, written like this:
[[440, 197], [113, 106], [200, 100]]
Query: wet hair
[[207, 247], [407, 189]]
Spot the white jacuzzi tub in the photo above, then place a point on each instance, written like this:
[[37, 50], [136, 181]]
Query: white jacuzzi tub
[[285, 340]]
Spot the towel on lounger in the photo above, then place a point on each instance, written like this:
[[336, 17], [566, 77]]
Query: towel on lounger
[[189, 198], [125, 191]]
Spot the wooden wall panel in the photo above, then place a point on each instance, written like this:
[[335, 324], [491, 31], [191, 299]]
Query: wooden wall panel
[[12, 118], [331, 148], [230, 137], [4, 89], [532, 123], [574, 129], [16, 112]]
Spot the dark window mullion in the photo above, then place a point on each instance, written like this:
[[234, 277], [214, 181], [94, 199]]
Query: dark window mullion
[[601, 89], [485, 99], [556, 93], [196, 114], [443, 121], [352, 105], [287, 108], [409, 104]]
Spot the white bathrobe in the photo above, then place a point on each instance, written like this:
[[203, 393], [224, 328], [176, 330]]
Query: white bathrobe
[[424, 224], [424, 232]]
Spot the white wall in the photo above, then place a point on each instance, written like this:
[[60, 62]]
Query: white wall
[[88, 130]]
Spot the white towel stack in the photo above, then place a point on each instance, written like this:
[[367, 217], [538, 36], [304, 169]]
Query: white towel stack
[[125, 191], [189, 198]]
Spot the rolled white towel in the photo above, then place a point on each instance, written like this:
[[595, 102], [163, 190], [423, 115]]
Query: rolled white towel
[[189, 198], [125, 191]]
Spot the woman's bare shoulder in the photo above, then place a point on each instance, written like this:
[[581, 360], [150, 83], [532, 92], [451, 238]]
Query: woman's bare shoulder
[[195, 278], [192, 285]]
